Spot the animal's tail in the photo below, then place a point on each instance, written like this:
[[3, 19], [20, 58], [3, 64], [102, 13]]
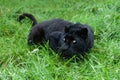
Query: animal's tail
[[30, 16]]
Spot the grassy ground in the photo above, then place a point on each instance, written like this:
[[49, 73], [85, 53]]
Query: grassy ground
[[19, 62]]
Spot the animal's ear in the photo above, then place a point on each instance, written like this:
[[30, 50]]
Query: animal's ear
[[83, 33], [67, 28]]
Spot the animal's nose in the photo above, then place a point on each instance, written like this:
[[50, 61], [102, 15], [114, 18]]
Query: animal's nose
[[64, 47]]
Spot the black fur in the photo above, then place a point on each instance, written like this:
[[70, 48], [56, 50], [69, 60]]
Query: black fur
[[64, 37]]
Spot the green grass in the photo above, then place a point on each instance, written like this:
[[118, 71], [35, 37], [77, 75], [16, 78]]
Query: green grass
[[19, 62]]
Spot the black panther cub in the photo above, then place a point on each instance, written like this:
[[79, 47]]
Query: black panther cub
[[65, 37]]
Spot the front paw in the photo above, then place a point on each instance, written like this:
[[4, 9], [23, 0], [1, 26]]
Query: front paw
[[30, 42]]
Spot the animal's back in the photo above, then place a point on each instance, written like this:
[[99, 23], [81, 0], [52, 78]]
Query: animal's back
[[54, 25]]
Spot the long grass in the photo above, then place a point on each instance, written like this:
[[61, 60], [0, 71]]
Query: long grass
[[18, 61]]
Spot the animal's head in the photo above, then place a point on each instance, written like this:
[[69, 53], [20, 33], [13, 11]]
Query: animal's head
[[74, 40]]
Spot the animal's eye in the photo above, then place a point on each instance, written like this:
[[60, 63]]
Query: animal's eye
[[63, 39], [74, 41]]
